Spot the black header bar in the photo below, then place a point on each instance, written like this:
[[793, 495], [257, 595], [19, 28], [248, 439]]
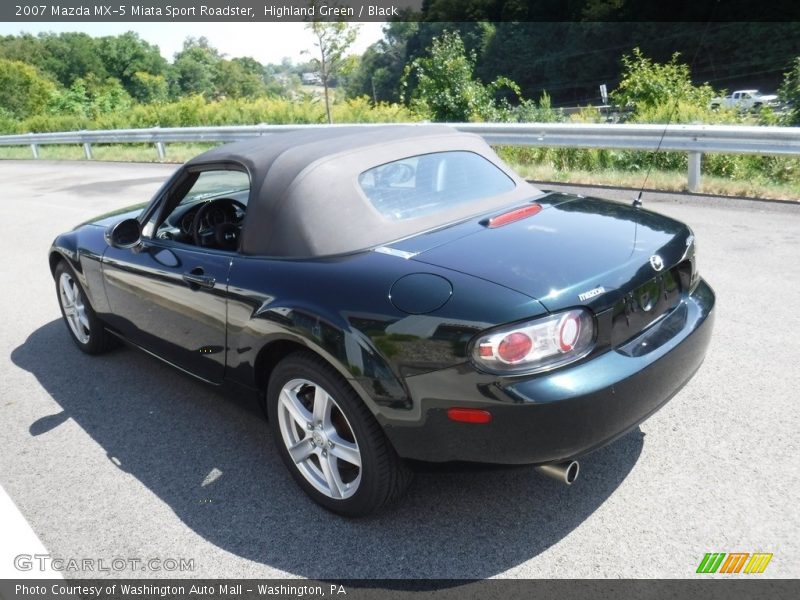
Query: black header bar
[[403, 10]]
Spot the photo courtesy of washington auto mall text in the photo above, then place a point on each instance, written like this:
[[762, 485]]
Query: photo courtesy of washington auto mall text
[[177, 589]]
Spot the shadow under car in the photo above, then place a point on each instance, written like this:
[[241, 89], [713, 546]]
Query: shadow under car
[[209, 456]]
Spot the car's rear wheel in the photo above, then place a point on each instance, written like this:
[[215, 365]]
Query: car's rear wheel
[[85, 329], [329, 440]]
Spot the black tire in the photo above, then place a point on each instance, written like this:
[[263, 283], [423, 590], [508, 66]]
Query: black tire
[[97, 340], [383, 476]]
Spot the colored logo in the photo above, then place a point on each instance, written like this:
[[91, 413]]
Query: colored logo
[[734, 562]]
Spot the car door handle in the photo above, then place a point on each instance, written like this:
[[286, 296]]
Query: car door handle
[[195, 277]]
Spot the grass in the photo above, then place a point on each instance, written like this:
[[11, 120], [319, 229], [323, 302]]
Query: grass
[[668, 181], [671, 181], [176, 153]]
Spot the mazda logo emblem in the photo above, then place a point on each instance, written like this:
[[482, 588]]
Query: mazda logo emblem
[[656, 262]]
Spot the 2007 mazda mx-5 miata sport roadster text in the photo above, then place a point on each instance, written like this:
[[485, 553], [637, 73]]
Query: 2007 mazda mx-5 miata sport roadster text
[[392, 293]]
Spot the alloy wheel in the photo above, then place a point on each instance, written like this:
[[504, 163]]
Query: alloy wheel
[[319, 439], [74, 308]]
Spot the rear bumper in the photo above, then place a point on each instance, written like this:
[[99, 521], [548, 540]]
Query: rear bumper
[[560, 415]]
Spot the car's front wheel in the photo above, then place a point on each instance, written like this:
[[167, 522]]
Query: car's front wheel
[[329, 440], [85, 329]]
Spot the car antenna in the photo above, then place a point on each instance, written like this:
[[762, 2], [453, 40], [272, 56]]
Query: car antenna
[[637, 202]]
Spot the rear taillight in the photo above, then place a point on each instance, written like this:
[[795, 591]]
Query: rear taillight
[[538, 345], [695, 269], [514, 347], [690, 258], [569, 330]]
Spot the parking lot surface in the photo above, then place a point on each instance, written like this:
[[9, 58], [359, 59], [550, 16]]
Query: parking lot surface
[[120, 456]]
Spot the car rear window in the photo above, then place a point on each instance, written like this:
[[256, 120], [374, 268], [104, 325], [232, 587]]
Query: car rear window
[[430, 183]]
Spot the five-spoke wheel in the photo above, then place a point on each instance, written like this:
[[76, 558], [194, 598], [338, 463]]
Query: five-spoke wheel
[[329, 440], [319, 438], [85, 328], [74, 308]]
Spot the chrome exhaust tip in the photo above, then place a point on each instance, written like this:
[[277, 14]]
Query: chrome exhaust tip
[[565, 472]]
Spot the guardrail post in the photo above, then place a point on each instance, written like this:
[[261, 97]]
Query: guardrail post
[[162, 150], [695, 162], [87, 150], [35, 150]]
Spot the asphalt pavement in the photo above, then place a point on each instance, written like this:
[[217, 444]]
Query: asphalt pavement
[[119, 456]]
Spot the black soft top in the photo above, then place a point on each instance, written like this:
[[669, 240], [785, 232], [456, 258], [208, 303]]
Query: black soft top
[[305, 199]]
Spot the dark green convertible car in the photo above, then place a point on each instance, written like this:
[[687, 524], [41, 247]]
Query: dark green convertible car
[[394, 293]]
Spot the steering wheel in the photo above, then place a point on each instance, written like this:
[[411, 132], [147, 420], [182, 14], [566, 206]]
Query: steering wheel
[[223, 235]]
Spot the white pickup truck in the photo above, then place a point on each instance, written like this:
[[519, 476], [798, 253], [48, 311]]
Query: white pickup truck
[[745, 100]]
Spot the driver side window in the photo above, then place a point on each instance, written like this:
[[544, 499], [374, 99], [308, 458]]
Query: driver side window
[[208, 210]]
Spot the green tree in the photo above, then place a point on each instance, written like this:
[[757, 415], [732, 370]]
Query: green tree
[[251, 66], [648, 85], [91, 97], [528, 111], [24, 91], [148, 88], [125, 55], [332, 40], [446, 87], [381, 67], [238, 78], [69, 56], [789, 92], [26, 48], [281, 80], [106, 95], [195, 67]]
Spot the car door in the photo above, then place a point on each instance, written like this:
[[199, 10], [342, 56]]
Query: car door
[[171, 301], [168, 295]]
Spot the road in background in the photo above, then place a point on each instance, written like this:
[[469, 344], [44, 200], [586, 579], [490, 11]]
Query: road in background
[[120, 456]]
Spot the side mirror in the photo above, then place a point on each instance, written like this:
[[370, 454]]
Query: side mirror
[[124, 234]]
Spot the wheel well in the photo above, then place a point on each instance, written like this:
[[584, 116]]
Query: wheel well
[[54, 259], [272, 354], [269, 357]]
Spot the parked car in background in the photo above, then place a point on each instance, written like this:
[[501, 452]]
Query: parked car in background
[[393, 293], [745, 101]]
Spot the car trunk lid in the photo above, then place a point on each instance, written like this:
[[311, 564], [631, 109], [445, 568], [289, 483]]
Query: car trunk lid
[[575, 251]]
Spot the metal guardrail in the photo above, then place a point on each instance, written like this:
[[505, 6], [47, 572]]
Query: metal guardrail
[[693, 139]]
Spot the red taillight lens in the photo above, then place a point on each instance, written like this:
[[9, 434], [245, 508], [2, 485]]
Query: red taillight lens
[[514, 347], [537, 345], [568, 332], [469, 415], [486, 350]]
